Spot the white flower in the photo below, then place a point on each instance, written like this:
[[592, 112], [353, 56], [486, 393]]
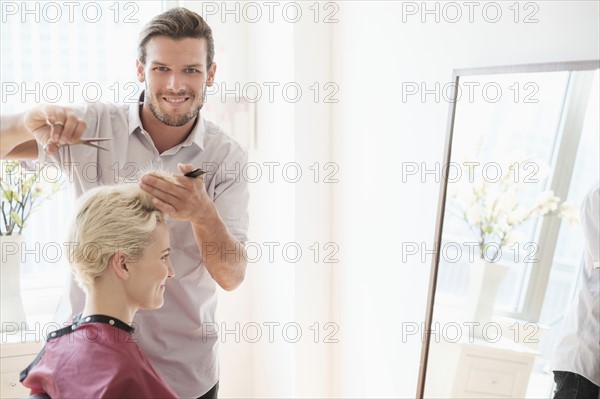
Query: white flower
[[546, 202], [473, 214], [516, 217], [512, 237], [506, 202], [501, 227], [569, 211], [494, 210]]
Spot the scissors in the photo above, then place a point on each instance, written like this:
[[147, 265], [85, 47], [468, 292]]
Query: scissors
[[88, 142]]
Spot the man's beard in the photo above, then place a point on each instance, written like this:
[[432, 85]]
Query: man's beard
[[168, 120]]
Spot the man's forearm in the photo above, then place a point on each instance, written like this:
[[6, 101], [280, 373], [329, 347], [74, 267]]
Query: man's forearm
[[222, 254], [15, 141]]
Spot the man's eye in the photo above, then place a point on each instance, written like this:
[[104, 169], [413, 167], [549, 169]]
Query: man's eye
[[191, 70], [161, 69], [165, 257]]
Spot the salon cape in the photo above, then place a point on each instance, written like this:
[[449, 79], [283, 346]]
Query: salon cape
[[98, 358]]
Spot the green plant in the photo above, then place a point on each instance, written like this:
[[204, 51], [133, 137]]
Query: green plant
[[22, 192]]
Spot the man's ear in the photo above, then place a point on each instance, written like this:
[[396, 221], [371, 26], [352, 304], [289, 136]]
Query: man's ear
[[211, 75], [118, 263], [140, 71]]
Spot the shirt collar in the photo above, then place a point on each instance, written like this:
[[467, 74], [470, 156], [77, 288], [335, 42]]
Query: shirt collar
[[96, 318], [196, 136]]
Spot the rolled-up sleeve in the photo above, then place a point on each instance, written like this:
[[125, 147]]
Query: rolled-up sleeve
[[231, 195]]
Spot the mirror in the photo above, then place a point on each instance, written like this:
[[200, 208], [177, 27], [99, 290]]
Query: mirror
[[508, 253]]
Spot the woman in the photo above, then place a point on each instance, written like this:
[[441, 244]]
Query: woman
[[119, 253]]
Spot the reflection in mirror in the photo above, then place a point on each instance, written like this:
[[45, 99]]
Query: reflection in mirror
[[523, 155]]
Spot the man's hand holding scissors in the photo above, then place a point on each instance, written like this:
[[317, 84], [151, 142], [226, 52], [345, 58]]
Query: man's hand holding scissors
[[54, 125]]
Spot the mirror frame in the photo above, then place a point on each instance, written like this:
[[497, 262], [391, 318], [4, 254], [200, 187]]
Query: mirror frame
[[584, 65]]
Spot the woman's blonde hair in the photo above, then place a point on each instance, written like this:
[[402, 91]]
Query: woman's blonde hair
[[110, 219]]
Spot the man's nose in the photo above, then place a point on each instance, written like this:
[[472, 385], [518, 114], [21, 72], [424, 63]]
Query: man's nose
[[175, 82]]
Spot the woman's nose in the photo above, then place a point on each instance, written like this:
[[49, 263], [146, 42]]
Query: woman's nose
[[170, 269]]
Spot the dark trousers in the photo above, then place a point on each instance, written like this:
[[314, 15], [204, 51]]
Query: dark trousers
[[573, 386], [212, 394]]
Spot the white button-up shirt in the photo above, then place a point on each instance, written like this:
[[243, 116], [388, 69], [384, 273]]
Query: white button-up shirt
[[578, 350], [179, 338]]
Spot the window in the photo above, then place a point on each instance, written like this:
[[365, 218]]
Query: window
[[51, 53], [568, 255]]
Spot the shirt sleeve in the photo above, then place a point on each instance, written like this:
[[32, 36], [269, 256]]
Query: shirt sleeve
[[590, 219], [231, 196]]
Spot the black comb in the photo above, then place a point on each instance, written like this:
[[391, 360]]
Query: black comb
[[195, 173]]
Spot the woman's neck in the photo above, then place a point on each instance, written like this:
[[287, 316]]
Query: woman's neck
[[110, 304]]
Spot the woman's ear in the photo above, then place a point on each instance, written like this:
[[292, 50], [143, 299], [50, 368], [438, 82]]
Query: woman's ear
[[118, 263]]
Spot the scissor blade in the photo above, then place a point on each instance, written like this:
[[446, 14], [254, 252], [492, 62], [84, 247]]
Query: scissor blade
[[94, 145], [91, 140]]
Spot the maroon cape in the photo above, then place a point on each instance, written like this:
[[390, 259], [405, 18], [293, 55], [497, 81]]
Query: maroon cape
[[95, 358]]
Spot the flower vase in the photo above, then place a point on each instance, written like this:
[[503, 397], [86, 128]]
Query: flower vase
[[12, 313], [484, 281]]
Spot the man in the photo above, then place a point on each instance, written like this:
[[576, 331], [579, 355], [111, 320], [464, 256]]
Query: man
[[577, 358], [209, 214]]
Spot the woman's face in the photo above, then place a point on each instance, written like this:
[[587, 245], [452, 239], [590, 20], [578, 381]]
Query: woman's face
[[149, 274]]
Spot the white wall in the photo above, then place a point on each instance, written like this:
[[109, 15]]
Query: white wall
[[370, 212], [279, 291], [374, 132]]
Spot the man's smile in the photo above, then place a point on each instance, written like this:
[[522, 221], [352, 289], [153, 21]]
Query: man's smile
[[175, 100]]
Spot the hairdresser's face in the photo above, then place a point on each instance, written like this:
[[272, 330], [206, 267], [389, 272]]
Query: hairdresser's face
[[149, 274], [176, 77]]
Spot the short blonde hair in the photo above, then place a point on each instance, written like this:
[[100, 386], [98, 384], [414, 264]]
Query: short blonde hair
[[110, 219]]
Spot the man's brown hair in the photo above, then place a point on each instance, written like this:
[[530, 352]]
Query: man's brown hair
[[177, 23]]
